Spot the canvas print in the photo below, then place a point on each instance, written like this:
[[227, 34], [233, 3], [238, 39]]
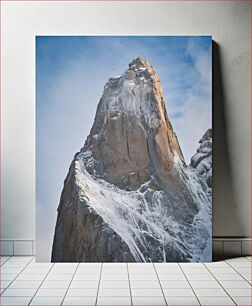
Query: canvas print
[[123, 148]]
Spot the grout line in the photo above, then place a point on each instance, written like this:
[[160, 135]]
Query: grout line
[[189, 284], [16, 275], [41, 283], [96, 300], [129, 284], [238, 272], [70, 283], [247, 259], [160, 284], [9, 257], [220, 284]]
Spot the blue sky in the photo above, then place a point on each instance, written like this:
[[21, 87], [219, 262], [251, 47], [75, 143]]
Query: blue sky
[[71, 72]]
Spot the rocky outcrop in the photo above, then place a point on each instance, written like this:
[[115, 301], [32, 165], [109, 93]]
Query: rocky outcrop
[[129, 195], [202, 160]]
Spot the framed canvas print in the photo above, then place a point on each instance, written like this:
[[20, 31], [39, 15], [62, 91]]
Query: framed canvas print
[[124, 148]]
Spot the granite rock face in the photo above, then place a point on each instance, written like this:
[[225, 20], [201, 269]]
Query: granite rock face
[[129, 196], [202, 160]]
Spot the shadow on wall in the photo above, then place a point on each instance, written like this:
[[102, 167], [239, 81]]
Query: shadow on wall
[[225, 215]]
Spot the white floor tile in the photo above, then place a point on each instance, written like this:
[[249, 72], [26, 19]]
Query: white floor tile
[[15, 300], [172, 276], [249, 258], [55, 284], [19, 292], [62, 270], [40, 265], [241, 264], [239, 291], [51, 292], [21, 258], [88, 270], [8, 270], [174, 284], [150, 300], [116, 301], [5, 283], [114, 264], [191, 264], [84, 284], [146, 292], [66, 264], [248, 277], [47, 300], [144, 284], [178, 292], [82, 292], [236, 259], [220, 270], [80, 300], [10, 276], [243, 270], [142, 265], [35, 277], [114, 292], [4, 259], [112, 277], [113, 270], [14, 264], [217, 264], [201, 276], [163, 270], [166, 264], [210, 301], [91, 277], [92, 264], [204, 284], [59, 277], [192, 270], [25, 284], [137, 270], [210, 292], [36, 270], [229, 276], [114, 284], [189, 300], [243, 300], [143, 277], [235, 284]]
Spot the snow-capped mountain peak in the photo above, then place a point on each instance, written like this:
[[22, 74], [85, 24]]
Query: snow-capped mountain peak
[[129, 195]]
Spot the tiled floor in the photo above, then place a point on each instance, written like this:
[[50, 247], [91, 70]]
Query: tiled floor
[[25, 282]]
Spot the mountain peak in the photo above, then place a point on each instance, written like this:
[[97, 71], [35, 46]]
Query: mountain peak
[[128, 195], [139, 62], [132, 129]]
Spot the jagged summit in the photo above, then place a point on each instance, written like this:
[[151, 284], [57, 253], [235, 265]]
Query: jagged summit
[[132, 137], [139, 67], [128, 195]]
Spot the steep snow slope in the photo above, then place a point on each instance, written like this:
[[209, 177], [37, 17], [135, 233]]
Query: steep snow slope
[[142, 221]]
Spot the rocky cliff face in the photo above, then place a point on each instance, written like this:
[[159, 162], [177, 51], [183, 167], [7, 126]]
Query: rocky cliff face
[[129, 195], [202, 160]]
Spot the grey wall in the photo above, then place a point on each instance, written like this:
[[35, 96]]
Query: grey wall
[[227, 22]]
